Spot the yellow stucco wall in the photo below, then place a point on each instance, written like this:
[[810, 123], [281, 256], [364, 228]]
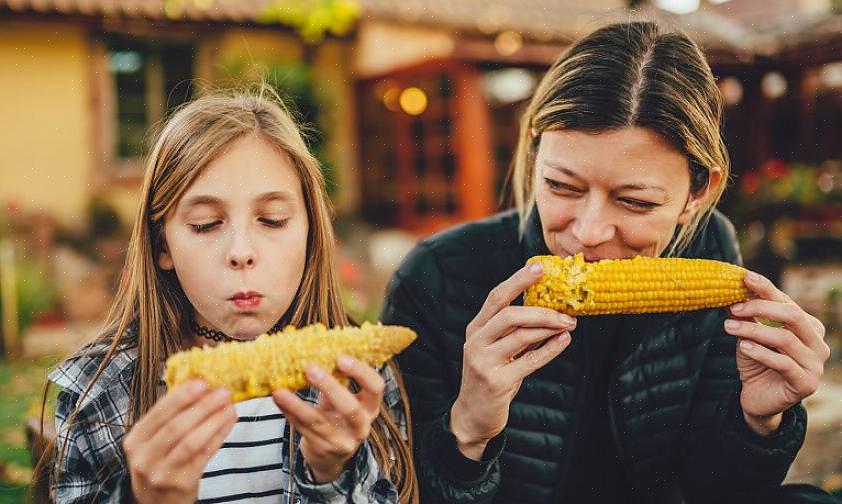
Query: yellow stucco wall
[[45, 124], [258, 45]]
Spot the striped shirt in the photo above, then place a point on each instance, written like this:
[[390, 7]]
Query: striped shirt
[[252, 465]]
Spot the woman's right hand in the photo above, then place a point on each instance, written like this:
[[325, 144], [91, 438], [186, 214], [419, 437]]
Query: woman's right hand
[[503, 345], [169, 447]]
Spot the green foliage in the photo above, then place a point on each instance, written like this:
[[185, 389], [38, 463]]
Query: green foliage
[[21, 392], [312, 19], [35, 293], [308, 104], [778, 188]]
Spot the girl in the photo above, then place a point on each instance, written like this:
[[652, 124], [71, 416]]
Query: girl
[[620, 154], [232, 239]]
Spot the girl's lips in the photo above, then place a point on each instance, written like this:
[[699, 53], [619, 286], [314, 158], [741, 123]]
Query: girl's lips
[[247, 302]]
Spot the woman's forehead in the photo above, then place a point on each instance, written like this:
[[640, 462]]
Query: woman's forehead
[[630, 156]]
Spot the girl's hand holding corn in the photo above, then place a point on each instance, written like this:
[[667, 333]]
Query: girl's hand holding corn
[[504, 344], [168, 448], [779, 366], [333, 431]]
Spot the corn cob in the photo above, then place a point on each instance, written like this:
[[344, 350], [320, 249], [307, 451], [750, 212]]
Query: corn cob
[[276, 361], [638, 285]]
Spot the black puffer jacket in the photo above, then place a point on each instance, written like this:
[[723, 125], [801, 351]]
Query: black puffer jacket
[[673, 399]]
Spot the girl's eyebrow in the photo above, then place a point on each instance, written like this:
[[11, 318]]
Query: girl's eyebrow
[[205, 199], [640, 187], [283, 196]]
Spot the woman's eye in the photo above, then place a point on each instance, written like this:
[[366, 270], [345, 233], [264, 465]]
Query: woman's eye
[[555, 185], [642, 205], [274, 223], [204, 228]]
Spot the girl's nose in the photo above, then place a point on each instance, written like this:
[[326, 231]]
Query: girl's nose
[[241, 253]]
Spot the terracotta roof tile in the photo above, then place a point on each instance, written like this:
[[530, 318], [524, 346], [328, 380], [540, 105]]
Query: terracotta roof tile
[[734, 26]]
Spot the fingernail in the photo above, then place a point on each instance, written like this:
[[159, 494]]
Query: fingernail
[[345, 362], [222, 393], [536, 267], [752, 276], [564, 337], [199, 386], [746, 345], [316, 373], [737, 307], [731, 324], [566, 319]]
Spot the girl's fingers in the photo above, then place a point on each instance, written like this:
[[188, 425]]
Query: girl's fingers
[[800, 380], [507, 291], [781, 339], [202, 440], [511, 318], [176, 400], [340, 399], [371, 383], [533, 360], [302, 415], [787, 313], [180, 426], [516, 341]]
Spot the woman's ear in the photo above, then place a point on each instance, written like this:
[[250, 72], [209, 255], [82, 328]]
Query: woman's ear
[[698, 199]]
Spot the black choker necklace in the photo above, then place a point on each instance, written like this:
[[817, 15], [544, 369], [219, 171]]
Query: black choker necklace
[[213, 334]]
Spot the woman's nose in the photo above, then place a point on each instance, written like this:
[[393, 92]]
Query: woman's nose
[[592, 227]]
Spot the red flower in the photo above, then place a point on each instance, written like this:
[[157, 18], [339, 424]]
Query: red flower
[[750, 182], [349, 272], [775, 168]]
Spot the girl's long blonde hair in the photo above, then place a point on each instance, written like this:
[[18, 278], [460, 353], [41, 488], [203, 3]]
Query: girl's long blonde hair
[[153, 299], [623, 75]]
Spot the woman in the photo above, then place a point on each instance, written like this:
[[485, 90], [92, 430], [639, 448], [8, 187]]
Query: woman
[[620, 154], [232, 239]]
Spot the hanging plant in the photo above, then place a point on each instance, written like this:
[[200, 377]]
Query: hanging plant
[[296, 85], [311, 19]]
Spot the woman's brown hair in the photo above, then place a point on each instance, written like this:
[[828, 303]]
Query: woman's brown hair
[[624, 75]]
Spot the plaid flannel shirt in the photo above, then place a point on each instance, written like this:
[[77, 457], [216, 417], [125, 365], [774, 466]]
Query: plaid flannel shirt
[[92, 464]]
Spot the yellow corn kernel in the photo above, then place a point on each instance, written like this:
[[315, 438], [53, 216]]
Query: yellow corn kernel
[[277, 361], [639, 285]]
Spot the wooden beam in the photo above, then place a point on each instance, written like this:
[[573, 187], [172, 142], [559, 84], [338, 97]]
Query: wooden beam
[[474, 146]]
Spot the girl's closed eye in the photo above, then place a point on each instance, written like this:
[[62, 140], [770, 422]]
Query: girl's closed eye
[[275, 223], [210, 226], [206, 227]]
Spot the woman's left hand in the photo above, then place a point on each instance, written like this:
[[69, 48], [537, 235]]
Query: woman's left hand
[[778, 366], [333, 431]]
